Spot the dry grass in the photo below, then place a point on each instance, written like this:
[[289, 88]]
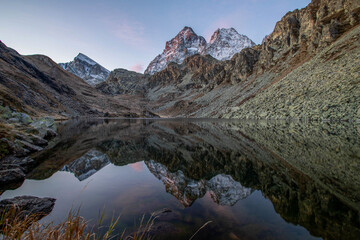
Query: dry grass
[[15, 224], [19, 225]]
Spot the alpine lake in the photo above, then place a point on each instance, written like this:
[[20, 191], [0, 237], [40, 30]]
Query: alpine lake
[[229, 179]]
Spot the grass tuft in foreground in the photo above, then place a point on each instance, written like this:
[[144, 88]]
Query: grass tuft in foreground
[[15, 224]]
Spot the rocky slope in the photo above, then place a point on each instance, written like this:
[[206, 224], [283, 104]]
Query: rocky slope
[[307, 68], [87, 69], [122, 81]]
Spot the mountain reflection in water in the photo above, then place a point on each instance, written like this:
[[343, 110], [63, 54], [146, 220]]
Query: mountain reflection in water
[[309, 172]]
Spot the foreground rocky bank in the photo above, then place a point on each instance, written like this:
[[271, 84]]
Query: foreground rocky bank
[[21, 136]]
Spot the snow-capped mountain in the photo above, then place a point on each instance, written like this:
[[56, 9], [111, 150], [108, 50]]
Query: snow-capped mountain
[[223, 45], [87, 69], [185, 43], [225, 42]]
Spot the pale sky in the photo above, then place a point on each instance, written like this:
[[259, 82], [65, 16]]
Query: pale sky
[[128, 33]]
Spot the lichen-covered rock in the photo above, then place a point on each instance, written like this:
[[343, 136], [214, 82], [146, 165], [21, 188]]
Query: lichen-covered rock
[[44, 123]]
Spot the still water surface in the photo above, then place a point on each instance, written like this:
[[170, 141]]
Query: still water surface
[[253, 180]]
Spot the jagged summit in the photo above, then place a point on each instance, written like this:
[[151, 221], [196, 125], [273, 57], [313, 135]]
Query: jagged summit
[[185, 43], [223, 45], [83, 57], [87, 69], [225, 42]]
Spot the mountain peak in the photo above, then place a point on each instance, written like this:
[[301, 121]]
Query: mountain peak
[[187, 34], [223, 32], [224, 43], [187, 30], [87, 69], [83, 57], [185, 43]]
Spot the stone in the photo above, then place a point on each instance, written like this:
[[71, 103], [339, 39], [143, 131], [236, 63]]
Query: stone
[[44, 123], [10, 176], [31, 147], [6, 114], [25, 119], [38, 140], [6, 147], [24, 163], [26, 205], [50, 134]]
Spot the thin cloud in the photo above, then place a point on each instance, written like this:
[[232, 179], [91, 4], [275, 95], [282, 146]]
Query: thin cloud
[[236, 19], [137, 68], [127, 30], [220, 23]]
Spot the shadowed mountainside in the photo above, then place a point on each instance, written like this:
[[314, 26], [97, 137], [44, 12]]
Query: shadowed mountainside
[[38, 86]]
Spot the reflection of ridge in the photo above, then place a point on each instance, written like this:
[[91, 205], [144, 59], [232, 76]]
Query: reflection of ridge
[[87, 165], [223, 189], [309, 172]]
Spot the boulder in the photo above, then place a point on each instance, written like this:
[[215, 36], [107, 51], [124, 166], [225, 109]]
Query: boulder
[[25, 164], [26, 205], [29, 146], [10, 176], [44, 123]]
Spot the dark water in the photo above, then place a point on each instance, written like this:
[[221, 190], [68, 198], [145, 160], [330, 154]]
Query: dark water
[[253, 180]]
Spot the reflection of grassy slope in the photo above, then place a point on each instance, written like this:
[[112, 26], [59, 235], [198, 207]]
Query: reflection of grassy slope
[[318, 195], [309, 172]]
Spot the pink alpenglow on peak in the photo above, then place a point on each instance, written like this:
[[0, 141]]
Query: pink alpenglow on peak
[[224, 43], [185, 43]]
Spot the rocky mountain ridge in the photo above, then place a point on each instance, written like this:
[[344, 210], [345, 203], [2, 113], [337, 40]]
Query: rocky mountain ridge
[[38, 86], [223, 45], [311, 56], [87, 69], [289, 76], [185, 43]]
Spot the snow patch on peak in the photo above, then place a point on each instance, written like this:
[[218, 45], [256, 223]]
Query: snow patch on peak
[[225, 42], [185, 43], [87, 69]]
